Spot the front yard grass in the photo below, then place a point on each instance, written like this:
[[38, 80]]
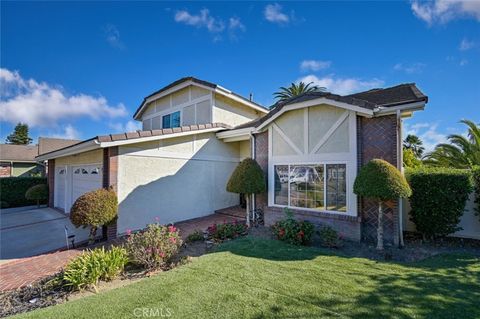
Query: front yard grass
[[259, 278]]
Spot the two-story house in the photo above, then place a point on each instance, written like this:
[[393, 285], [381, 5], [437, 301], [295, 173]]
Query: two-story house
[[195, 133]]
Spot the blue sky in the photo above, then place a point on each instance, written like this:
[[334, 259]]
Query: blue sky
[[81, 69]]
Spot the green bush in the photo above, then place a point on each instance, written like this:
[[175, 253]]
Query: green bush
[[248, 178], [94, 209], [293, 231], [329, 237], [438, 200], [227, 230], [38, 193], [92, 266], [197, 235], [476, 181], [153, 247], [13, 189]]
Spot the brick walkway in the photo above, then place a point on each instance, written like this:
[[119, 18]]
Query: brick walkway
[[22, 272]]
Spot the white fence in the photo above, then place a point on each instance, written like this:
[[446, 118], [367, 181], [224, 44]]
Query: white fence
[[469, 221]]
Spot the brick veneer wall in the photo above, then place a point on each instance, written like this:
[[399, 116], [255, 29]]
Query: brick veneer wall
[[377, 138], [51, 183], [110, 173], [5, 169]]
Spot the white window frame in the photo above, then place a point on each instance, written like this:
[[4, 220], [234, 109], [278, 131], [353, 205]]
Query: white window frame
[[181, 117], [348, 158]]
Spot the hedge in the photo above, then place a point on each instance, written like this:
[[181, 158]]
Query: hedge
[[13, 189], [438, 199], [476, 180]]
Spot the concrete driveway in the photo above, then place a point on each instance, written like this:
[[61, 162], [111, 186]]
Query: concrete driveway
[[29, 232]]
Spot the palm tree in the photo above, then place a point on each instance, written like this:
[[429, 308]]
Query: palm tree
[[296, 89], [414, 143], [462, 152]]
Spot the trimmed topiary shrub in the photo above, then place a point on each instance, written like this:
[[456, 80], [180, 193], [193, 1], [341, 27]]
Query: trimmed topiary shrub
[[38, 193], [248, 179], [13, 189], [94, 209], [381, 181], [476, 181], [438, 200]]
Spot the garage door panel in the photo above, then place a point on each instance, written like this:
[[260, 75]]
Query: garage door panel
[[85, 178], [60, 187]]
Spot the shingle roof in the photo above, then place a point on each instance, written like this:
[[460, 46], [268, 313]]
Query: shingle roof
[[194, 80], [23, 153], [388, 97], [48, 144]]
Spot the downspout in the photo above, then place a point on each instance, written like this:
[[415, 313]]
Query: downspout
[[400, 168], [252, 154]]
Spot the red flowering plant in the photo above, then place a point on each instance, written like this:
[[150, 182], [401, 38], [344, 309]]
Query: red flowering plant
[[154, 246], [293, 231], [227, 230]]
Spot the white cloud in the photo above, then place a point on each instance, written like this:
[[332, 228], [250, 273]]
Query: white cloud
[[314, 65], [69, 132], [40, 104], [274, 14], [443, 11], [427, 132], [236, 24], [129, 126], [201, 20], [342, 86], [463, 62], [409, 68], [112, 36], [466, 45]]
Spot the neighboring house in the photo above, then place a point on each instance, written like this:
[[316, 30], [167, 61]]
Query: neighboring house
[[196, 132], [20, 161]]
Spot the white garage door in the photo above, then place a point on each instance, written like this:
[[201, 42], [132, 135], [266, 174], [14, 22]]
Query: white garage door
[[60, 186], [85, 178]]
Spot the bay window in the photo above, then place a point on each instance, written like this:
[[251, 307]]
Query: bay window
[[312, 186]]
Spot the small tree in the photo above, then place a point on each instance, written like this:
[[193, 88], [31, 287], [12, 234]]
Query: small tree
[[19, 135], [381, 181], [38, 193], [248, 179], [94, 209]]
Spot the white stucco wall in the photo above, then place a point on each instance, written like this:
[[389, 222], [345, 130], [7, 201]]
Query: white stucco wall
[[232, 113], [469, 221], [175, 180]]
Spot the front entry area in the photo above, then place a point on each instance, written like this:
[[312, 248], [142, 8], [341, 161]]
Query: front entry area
[[72, 181]]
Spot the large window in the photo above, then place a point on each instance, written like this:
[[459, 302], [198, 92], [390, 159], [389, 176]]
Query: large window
[[171, 120], [318, 186]]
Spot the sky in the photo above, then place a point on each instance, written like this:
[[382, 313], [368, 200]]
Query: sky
[[81, 69]]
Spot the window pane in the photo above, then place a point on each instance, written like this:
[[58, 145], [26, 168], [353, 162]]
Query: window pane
[[281, 184], [166, 121], [175, 119], [306, 186], [336, 188]]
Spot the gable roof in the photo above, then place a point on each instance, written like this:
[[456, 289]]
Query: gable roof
[[18, 153], [48, 144], [371, 100], [201, 83]]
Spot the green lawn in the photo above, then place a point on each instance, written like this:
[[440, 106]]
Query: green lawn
[[254, 278]]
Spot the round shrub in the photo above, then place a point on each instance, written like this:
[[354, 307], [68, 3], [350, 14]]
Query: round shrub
[[382, 181], [476, 182], [438, 200], [38, 193], [248, 178], [94, 209]]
